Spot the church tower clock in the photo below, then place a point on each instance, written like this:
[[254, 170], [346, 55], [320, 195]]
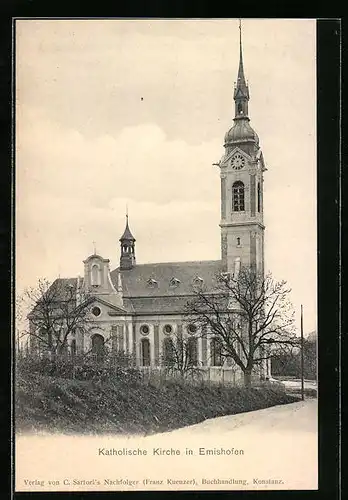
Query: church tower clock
[[241, 173]]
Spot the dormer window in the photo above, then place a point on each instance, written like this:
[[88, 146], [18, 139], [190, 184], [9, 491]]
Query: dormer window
[[174, 282], [198, 281], [152, 283], [225, 276]]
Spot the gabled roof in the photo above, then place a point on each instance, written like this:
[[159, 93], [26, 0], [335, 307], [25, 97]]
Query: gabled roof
[[164, 298], [107, 303]]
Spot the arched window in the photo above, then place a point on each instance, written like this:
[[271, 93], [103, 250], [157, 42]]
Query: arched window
[[258, 197], [95, 275], [45, 338], [117, 338], [145, 352], [73, 347], [238, 197], [168, 351], [192, 351], [98, 346], [215, 351]]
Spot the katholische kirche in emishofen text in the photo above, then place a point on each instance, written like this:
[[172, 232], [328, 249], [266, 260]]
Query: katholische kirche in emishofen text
[[140, 306]]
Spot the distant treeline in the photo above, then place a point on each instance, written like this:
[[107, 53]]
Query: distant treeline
[[289, 364]]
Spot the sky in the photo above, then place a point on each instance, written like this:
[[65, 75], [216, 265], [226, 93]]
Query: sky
[[115, 113]]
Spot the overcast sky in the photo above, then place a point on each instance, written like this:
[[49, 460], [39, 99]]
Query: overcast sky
[[116, 112]]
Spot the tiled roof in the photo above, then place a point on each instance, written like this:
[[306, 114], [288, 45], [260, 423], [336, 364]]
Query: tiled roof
[[159, 305], [136, 281], [59, 287], [150, 288], [57, 291]]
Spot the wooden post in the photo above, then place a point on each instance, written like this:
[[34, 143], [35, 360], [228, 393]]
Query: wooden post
[[302, 357]]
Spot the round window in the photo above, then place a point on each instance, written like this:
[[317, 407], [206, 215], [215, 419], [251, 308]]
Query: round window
[[96, 311], [144, 329], [192, 328], [168, 328]]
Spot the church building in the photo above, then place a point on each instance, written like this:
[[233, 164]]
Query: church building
[[139, 306]]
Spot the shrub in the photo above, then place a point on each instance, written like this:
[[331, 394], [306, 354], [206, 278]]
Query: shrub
[[79, 368], [113, 405]]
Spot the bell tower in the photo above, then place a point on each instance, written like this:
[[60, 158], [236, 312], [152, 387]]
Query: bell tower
[[241, 174]]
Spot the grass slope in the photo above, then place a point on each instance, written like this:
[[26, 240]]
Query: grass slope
[[72, 406]]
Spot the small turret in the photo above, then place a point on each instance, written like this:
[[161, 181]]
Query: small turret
[[127, 259]]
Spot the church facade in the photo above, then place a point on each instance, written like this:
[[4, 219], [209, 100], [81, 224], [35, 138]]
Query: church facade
[[139, 306]]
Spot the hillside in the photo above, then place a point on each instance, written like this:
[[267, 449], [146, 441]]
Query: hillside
[[73, 406]]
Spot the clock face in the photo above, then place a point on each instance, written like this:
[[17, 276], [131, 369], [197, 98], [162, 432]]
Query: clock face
[[237, 161]]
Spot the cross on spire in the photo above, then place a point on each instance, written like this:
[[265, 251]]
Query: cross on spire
[[240, 35], [94, 248]]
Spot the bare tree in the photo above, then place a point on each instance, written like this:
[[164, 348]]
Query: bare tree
[[180, 354], [247, 315], [56, 311]]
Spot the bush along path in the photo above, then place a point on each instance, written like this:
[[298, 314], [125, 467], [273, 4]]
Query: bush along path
[[52, 404]]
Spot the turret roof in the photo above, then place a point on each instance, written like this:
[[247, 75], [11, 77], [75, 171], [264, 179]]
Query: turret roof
[[127, 235]]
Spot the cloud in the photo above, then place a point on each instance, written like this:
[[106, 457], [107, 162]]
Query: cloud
[[138, 164], [87, 144]]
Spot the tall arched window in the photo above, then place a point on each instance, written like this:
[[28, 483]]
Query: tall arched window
[[95, 275], [145, 352], [168, 351], [238, 196], [192, 351], [215, 350], [258, 197], [73, 347]]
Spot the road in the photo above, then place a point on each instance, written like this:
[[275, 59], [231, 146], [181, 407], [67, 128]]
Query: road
[[295, 384], [260, 447], [291, 419], [277, 443]]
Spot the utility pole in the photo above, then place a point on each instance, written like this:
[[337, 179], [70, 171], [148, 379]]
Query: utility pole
[[302, 358]]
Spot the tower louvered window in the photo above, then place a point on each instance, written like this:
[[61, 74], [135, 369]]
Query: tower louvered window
[[238, 197]]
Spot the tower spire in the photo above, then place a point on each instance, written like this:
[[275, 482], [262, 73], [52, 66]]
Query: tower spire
[[241, 91], [241, 133], [240, 78]]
